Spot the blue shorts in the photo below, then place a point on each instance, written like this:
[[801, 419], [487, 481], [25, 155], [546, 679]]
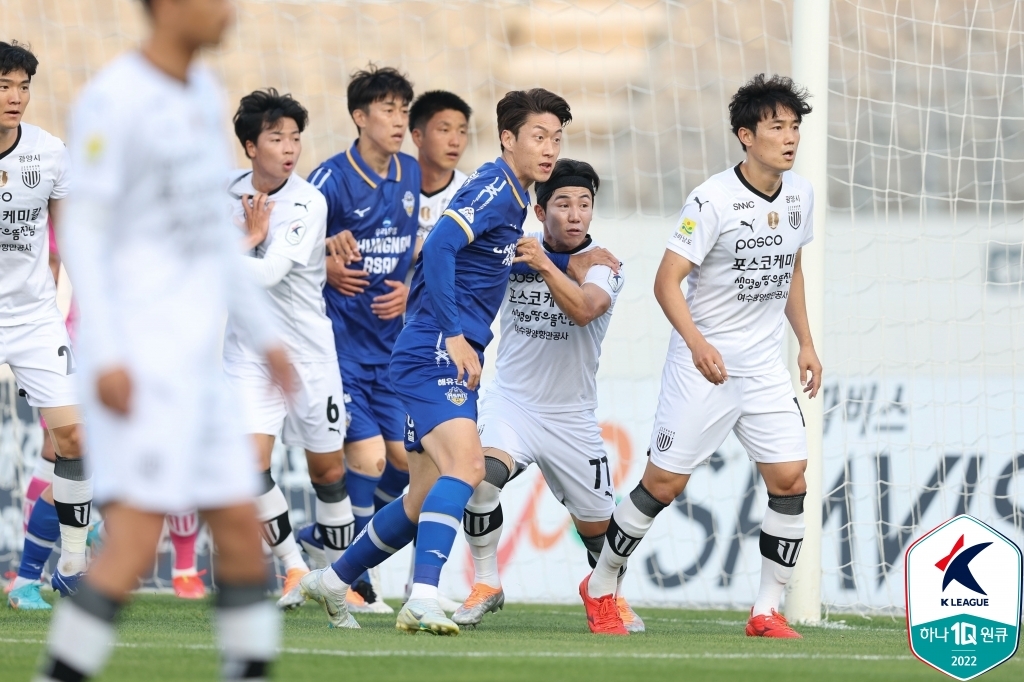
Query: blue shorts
[[372, 408], [424, 378]]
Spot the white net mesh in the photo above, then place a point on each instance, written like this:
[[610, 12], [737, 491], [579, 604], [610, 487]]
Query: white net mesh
[[924, 245]]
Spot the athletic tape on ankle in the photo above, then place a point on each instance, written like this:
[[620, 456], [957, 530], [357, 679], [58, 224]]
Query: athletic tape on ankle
[[268, 482], [70, 469], [790, 505], [95, 604], [331, 492], [234, 596], [478, 525], [496, 472], [645, 501]]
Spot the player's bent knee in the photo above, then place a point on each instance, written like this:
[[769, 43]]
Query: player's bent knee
[[63, 425], [325, 468]]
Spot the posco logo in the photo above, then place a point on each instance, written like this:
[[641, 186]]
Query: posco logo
[[770, 240]]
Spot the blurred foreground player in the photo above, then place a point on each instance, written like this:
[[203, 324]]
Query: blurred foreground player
[[738, 246], [156, 267], [540, 408], [34, 179], [286, 221]]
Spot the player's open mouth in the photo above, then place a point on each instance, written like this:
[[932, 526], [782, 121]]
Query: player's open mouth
[[546, 167]]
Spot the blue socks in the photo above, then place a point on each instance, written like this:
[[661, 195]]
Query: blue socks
[[390, 487], [360, 492], [389, 531], [43, 531], [440, 520]]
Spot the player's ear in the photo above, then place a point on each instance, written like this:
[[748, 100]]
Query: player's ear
[[250, 149], [539, 212], [746, 136], [359, 117], [417, 137], [507, 139]]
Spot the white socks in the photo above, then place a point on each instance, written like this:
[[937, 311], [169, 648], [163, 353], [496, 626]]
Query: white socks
[[481, 524], [629, 524], [249, 633], [272, 511], [782, 533], [72, 498], [81, 636]]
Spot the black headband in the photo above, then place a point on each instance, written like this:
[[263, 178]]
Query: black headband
[[546, 189]]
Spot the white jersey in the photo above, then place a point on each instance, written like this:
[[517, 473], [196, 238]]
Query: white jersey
[[148, 239], [743, 244], [33, 171], [545, 362], [433, 205], [298, 227]]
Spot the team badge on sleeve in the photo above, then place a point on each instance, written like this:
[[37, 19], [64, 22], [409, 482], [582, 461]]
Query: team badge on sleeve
[[615, 281], [408, 203], [688, 226], [665, 439], [295, 232]]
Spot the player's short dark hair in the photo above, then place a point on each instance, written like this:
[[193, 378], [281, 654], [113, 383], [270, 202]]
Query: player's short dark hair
[[761, 98], [516, 106], [17, 57], [434, 102], [568, 173], [375, 84], [262, 109]]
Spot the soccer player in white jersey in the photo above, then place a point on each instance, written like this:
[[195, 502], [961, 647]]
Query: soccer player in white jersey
[[738, 245], [149, 243], [34, 179], [286, 220], [540, 408]]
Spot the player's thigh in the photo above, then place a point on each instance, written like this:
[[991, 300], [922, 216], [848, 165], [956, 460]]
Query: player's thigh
[[693, 418], [771, 427], [506, 427], [454, 447], [236, 532], [259, 401], [40, 356], [128, 551], [575, 465], [314, 420]]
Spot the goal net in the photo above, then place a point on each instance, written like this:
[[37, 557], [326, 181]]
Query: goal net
[[924, 246]]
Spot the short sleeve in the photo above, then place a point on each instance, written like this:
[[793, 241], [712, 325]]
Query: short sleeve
[[610, 281], [99, 136], [301, 234], [328, 181], [477, 206], [62, 183], [697, 230]]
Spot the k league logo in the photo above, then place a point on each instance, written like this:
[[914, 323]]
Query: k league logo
[[963, 588]]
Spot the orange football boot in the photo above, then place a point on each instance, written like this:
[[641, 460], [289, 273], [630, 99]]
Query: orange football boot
[[603, 616], [772, 625]]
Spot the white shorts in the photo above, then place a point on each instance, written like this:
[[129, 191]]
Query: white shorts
[[40, 356], [694, 418], [181, 447], [566, 446], [314, 418]]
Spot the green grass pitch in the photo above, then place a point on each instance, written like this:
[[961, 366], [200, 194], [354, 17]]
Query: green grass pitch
[[163, 638]]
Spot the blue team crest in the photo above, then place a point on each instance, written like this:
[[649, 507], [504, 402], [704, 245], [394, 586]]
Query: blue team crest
[[456, 396], [963, 587], [409, 203]]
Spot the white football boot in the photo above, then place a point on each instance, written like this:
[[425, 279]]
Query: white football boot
[[425, 615], [337, 611]]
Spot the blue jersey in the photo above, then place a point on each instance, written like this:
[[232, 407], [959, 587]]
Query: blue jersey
[[383, 215], [461, 276]]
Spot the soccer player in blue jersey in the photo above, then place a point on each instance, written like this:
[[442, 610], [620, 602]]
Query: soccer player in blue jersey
[[372, 190], [458, 286]]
